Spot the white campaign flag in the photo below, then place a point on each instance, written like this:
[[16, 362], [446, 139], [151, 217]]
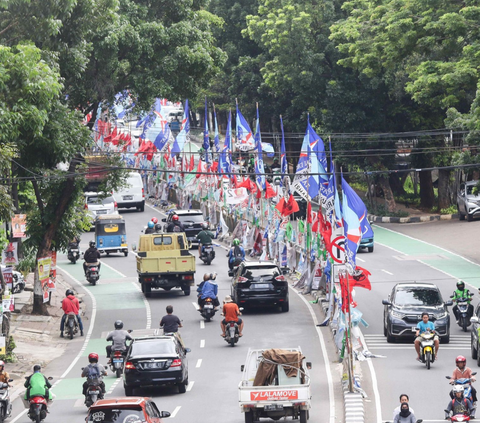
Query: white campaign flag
[[223, 225]]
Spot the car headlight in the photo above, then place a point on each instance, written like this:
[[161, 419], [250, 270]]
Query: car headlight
[[397, 314], [441, 315]]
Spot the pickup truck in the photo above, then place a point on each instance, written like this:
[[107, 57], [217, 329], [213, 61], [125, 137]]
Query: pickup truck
[[164, 261], [275, 384]]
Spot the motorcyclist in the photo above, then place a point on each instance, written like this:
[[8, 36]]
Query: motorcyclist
[[5, 378], [422, 327], [171, 323], [37, 386], [175, 225], [208, 289], [463, 372], [459, 293], [236, 254], [405, 415], [91, 256], [119, 339], [231, 313], [150, 228], [459, 405], [204, 237], [275, 164], [70, 304], [94, 373]]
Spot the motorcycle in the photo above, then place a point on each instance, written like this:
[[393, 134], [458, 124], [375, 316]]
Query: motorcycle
[[116, 363], [463, 315], [231, 332], [92, 274], [73, 252], [94, 392], [467, 386], [208, 310], [5, 405], [457, 417], [208, 254], [71, 325], [236, 263], [427, 348], [38, 408], [18, 282]]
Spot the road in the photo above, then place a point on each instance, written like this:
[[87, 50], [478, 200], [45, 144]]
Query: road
[[214, 367], [403, 257]]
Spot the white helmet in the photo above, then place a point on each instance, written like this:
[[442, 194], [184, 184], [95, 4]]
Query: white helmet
[[458, 388]]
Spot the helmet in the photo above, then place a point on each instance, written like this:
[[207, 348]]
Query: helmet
[[2, 364], [37, 368], [93, 358], [68, 292], [458, 388], [207, 276], [158, 227], [118, 324], [236, 241], [461, 359], [461, 285], [204, 226], [154, 220], [151, 224], [175, 217], [91, 244]]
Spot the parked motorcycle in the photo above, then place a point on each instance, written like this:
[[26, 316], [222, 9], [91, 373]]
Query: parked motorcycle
[[92, 275], [38, 408], [71, 325], [208, 254], [5, 405], [18, 282], [463, 315], [427, 348], [208, 310], [467, 386], [116, 363], [73, 252]]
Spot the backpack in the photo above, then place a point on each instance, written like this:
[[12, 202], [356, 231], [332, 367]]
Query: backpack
[[464, 402], [93, 372], [237, 252], [176, 228]]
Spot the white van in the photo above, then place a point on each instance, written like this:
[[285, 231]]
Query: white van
[[133, 194]]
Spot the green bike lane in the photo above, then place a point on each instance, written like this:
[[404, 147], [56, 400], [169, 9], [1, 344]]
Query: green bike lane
[[115, 297], [439, 258]]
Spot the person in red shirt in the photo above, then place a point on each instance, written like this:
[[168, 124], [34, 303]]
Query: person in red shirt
[[231, 313], [70, 304], [463, 372]]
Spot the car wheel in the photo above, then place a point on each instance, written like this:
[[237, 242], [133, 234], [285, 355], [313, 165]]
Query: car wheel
[[460, 215], [445, 339], [248, 416], [186, 290], [128, 390], [285, 307], [182, 388], [390, 338], [384, 329], [474, 351], [478, 357], [142, 207], [469, 217], [370, 249], [147, 290]]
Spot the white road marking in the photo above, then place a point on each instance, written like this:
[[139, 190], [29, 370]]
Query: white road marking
[[114, 385], [190, 386], [202, 324], [115, 270], [79, 403], [195, 305], [202, 343], [156, 209], [199, 363], [359, 259], [326, 362], [147, 307], [177, 409], [387, 272]]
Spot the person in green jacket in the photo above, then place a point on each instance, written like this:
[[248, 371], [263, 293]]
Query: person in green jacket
[[459, 293], [37, 385]]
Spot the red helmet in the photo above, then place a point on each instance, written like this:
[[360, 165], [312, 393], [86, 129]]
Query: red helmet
[[154, 220], [175, 217], [461, 359], [93, 357]]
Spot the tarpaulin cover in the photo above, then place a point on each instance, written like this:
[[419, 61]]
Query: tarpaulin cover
[[292, 361]]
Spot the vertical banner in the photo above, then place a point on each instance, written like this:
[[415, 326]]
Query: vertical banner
[[10, 257], [317, 275], [8, 277], [19, 224], [8, 302], [52, 280], [44, 265]]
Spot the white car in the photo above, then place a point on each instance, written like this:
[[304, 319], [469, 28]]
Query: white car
[[96, 205], [133, 194]]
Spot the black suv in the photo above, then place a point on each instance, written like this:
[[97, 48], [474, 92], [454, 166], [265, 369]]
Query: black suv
[[261, 284], [154, 361], [404, 308], [191, 220]]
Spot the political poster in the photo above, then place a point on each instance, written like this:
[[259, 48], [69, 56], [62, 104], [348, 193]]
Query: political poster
[[52, 279], [8, 303], [236, 195], [8, 277], [10, 256], [44, 266], [19, 224]]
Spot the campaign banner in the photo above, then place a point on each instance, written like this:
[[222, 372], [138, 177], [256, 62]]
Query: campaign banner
[[19, 224], [52, 278], [236, 195], [10, 256], [8, 303], [44, 265], [8, 277]]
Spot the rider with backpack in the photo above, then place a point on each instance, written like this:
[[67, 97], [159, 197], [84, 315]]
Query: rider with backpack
[[175, 225], [460, 404], [236, 254], [94, 373]]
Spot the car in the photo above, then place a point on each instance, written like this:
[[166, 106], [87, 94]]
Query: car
[[132, 195], [96, 205], [191, 220], [367, 242], [468, 203], [405, 305], [475, 341], [127, 410], [154, 361], [260, 284]]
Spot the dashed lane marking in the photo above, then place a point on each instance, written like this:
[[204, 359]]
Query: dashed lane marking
[[195, 305], [199, 363], [387, 272], [202, 324], [174, 413], [202, 343], [147, 306], [190, 386], [114, 385]]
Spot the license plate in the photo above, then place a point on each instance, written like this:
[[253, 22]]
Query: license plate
[[208, 306], [128, 197], [118, 360], [101, 212], [273, 407], [124, 245], [74, 251], [208, 249], [261, 286], [93, 392]]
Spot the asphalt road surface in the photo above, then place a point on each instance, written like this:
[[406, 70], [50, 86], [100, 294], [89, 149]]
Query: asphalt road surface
[[214, 367]]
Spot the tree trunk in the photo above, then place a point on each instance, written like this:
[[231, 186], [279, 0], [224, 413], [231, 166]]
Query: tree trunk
[[396, 184], [444, 189], [427, 198], [388, 194]]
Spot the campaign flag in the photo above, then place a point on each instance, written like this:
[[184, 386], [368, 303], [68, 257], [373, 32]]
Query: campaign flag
[[216, 140], [291, 206], [329, 201], [268, 149], [245, 141], [206, 141], [361, 278], [224, 162], [259, 168], [283, 154], [184, 133], [354, 218]]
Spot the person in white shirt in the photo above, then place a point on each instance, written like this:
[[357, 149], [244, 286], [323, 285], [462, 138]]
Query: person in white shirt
[[403, 398]]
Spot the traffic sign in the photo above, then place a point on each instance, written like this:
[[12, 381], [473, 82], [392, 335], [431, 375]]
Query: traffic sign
[[338, 250]]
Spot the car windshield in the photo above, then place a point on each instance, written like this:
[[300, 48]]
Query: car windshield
[[155, 347], [470, 189], [418, 297], [192, 218], [97, 200], [133, 414], [261, 271]]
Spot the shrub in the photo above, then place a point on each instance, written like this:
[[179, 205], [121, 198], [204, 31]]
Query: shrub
[[449, 210]]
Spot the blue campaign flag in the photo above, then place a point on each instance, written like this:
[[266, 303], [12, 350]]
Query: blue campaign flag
[[259, 168], [224, 160], [162, 138], [330, 191], [206, 141], [354, 219], [268, 149], [245, 139], [283, 154], [216, 140], [181, 138]]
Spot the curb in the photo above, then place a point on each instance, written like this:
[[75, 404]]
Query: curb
[[411, 219], [354, 409]]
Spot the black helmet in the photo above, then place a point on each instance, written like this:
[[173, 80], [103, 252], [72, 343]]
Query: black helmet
[[91, 244], [461, 285], [37, 368], [68, 292], [118, 324]]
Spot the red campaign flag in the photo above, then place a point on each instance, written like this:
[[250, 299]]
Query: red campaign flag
[[326, 231], [361, 278], [192, 163], [290, 207], [309, 213], [280, 205], [269, 191], [345, 293], [214, 167]]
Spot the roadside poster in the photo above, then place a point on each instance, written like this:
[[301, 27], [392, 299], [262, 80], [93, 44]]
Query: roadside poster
[[44, 265], [9, 256], [317, 275], [3, 349], [8, 303], [52, 280], [8, 277], [19, 223]]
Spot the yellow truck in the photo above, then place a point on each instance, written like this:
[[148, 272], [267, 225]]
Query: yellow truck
[[164, 261]]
